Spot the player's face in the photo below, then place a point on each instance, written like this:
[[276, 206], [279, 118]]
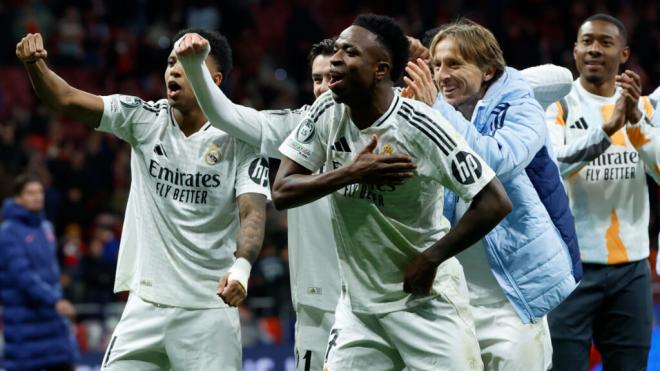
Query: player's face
[[459, 81], [599, 50], [321, 74], [354, 65], [32, 197], [179, 92]]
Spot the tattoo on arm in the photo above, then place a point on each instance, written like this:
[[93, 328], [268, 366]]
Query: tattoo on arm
[[252, 209]]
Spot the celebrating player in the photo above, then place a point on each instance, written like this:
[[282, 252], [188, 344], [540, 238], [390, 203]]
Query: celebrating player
[[194, 221], [386, 209], [605, 145]]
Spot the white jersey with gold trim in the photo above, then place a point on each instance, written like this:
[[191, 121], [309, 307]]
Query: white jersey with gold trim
[[182, 216], [380, 229], [605, 176]]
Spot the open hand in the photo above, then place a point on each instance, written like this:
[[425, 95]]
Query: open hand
[[381, 169], [417, 49], [631, 84], [419, 83], [31, 48]]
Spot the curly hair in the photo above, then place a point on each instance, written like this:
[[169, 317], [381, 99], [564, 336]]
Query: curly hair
[[391, 36], [220, 49]]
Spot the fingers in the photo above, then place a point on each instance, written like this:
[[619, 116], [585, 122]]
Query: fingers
[[369, 148], [233, 294], [31, 48], [417, 49], [190, 43]]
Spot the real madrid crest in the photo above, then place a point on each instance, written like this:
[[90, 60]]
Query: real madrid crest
[[213, 155], [388, 149]]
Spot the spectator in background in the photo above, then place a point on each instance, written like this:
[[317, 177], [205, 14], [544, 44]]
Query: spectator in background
[[37, 335], [605, 144]]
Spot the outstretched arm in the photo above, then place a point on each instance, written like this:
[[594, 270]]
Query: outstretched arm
[[52, 89]]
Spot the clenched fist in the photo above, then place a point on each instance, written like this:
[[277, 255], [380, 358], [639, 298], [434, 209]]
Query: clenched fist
[[31, 48]]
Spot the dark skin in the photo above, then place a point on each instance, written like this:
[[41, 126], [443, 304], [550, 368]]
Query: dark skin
[[361, 80], [88, 109], [599, 51]]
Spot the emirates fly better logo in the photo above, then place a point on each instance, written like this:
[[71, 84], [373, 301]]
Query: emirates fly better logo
[[466, 168]]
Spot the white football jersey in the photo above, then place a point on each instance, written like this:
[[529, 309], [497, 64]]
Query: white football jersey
[[605, 176], [313, 262], [379, 230], [182, 217]]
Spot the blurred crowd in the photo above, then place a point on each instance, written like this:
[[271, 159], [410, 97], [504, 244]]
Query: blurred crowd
[[121, 46]]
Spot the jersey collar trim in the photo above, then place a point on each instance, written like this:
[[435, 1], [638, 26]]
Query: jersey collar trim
[[388, 113]]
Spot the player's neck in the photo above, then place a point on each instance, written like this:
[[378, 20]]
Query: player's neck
[[606, 88], [364, 114], [189, 122]]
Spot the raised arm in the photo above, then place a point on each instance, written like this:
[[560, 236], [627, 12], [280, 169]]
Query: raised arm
[[252, 212], [244, 123], [52, 89]]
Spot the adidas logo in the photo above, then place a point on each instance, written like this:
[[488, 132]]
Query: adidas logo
[[160, 150], [580, 124], [341, 145]]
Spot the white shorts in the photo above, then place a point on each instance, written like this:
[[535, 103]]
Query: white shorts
[[436, 335], [151, 336], [508, 344], [313, 327]]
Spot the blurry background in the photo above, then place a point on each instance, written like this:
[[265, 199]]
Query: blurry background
[[121, 47]]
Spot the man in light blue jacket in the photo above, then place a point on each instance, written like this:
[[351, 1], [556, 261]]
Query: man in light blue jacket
[[529, 263]]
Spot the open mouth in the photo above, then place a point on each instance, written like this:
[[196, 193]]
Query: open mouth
[[173, 89], [336, 78]]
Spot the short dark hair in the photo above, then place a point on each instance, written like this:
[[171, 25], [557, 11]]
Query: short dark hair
[[610, 19], [220, 49], [22, 180], [325, 47], [391, 36], [428, 36]]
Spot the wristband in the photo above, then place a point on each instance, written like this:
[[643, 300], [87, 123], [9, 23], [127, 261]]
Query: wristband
[[240, 272]]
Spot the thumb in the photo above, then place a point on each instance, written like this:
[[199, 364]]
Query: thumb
[[369, 148], [222, 284]]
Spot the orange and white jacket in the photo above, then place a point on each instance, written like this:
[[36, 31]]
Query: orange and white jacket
[[605, 176]]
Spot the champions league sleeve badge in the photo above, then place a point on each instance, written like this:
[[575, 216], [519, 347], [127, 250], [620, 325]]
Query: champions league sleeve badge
[[306, 131], [213, 155]]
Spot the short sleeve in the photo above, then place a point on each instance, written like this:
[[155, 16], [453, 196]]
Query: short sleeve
[[306, 144], [454, 164], [128, 117], [251, 172]]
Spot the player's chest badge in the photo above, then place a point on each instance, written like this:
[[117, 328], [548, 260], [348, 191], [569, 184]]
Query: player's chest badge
[[213, 155], [388, 149]]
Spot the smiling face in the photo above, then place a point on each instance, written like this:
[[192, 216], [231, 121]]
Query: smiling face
[[179, 92], [321, 74], [461, 82], [599, 50], [359, 61]]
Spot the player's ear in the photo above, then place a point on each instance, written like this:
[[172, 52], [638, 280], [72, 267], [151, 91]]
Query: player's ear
[[382, 70], [217, 78]]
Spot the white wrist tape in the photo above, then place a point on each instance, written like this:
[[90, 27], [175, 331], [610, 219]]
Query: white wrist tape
[[240, 272]]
